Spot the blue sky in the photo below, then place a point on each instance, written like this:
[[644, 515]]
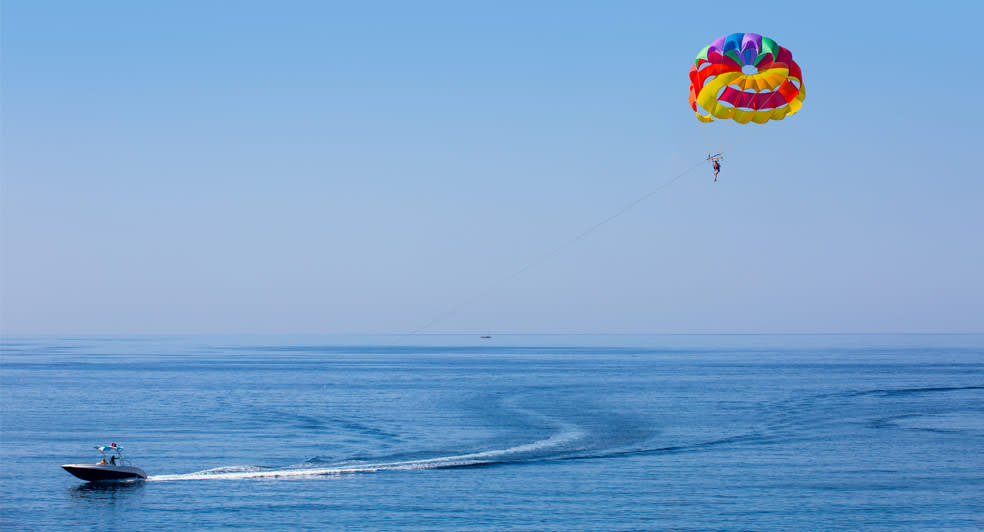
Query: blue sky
[[363, 167]]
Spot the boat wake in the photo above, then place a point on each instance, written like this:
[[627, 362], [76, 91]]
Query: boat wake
[[552, 446]]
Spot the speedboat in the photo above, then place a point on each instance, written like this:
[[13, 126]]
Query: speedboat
[[113, 468]]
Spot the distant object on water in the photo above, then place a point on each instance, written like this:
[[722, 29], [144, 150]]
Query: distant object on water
[[115, 468], [485, 337]]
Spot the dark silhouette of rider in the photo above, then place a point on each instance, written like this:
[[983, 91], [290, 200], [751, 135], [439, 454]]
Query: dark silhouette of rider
[[717, 168]]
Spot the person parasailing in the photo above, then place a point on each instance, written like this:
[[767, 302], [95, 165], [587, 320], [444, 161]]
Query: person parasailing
[[745, 78]]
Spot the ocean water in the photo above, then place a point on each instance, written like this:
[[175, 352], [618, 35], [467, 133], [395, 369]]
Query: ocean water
[[451, 432]]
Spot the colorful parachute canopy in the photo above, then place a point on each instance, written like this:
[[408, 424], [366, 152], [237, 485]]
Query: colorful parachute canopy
[[723, 90]]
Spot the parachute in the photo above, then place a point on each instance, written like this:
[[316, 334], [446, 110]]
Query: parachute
[[745, 77]]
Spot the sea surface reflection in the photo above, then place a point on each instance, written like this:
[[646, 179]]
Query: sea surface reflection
[[106, 493]]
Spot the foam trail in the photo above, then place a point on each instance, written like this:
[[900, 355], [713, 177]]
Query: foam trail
[[566, 436]]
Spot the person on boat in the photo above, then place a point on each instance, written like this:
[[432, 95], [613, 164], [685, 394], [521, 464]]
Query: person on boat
[[103, 461], [112, 460], [717, 168]]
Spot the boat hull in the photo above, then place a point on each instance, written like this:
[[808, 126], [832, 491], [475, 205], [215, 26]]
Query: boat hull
[[102, 473]]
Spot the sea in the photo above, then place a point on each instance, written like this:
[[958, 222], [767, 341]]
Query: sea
[[514, 432]]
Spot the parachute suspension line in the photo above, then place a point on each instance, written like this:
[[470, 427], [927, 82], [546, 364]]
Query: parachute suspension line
[[546, 256], [728, 132], [733, 140], [724, 136], [706, 134], [728, 138], [717, 131]]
